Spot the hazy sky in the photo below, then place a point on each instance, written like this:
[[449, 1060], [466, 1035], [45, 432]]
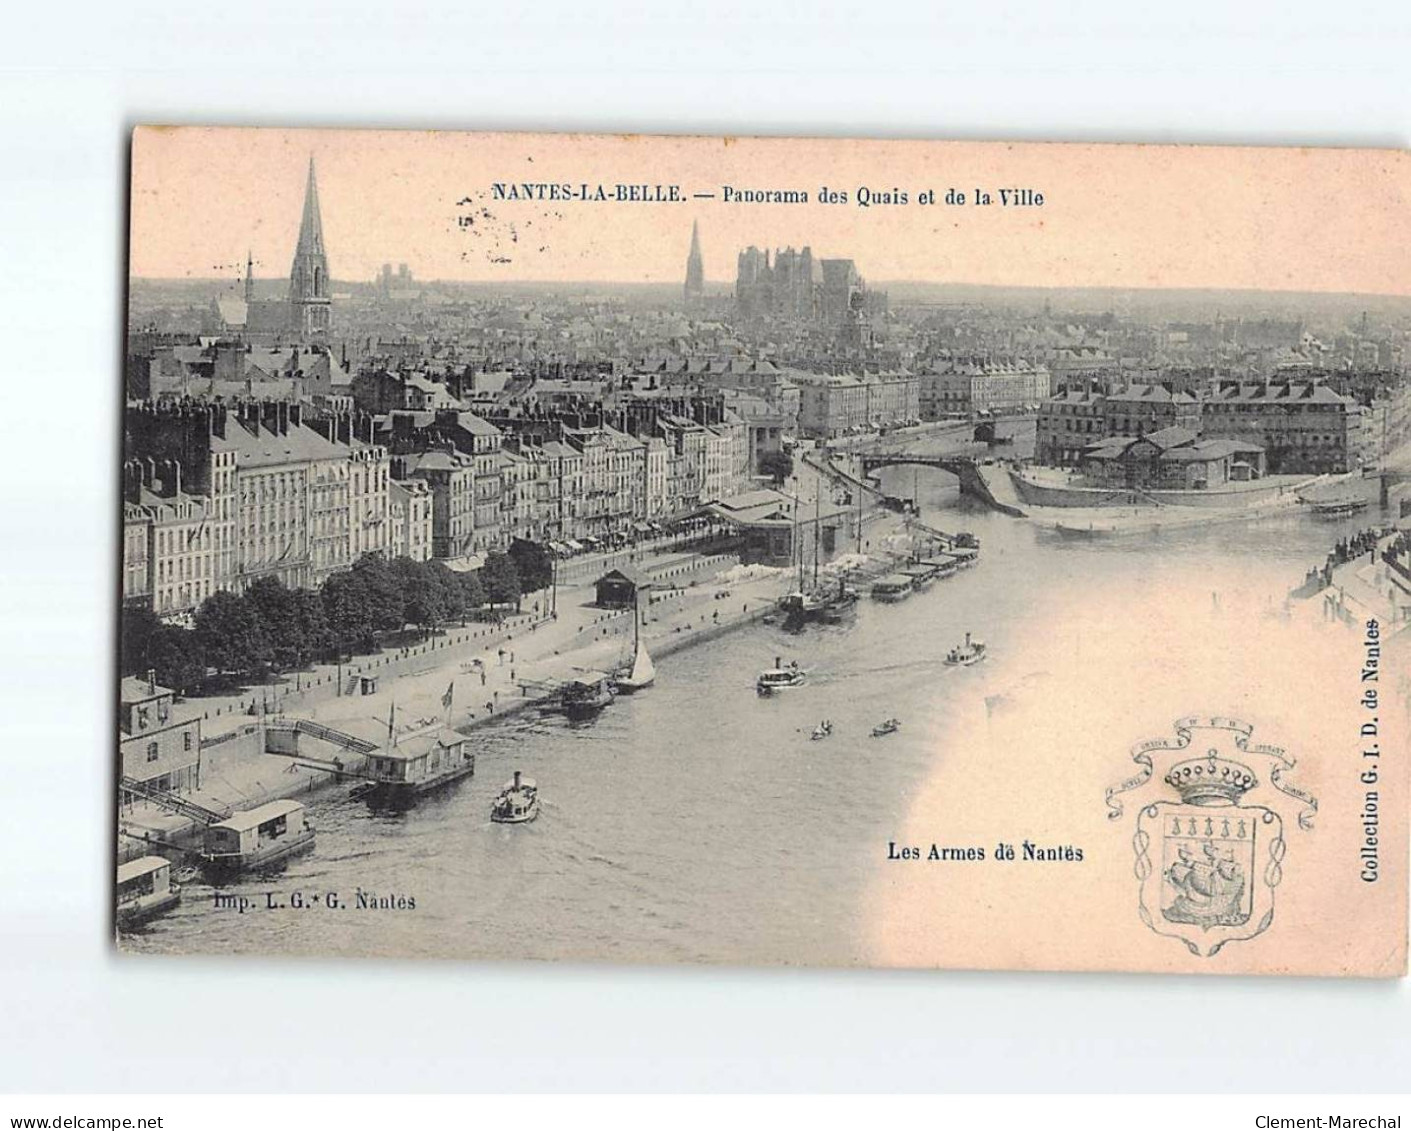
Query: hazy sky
[[1121, 216]]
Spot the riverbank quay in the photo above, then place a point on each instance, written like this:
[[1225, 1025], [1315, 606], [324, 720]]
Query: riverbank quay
[[695, 603], [998, 483], [223, 714], [298, 691], [708, 599], [587, 567], [487, 678], [871, 508]]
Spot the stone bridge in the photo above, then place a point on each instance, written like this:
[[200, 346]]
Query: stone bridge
[[962, 467], [956, 465]]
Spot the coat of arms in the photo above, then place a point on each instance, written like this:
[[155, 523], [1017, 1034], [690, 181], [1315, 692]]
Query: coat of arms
[[1208, 863]]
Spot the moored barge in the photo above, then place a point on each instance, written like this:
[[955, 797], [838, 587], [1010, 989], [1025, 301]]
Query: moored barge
[[257, 838], [145, 889], [418, 764], [892, 588]]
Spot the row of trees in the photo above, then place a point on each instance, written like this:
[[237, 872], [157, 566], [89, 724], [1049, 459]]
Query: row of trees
[[271, 627]]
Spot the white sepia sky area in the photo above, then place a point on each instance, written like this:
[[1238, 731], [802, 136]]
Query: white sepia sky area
[[1128, 216]]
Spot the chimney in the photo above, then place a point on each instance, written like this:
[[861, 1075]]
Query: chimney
[[151, 681]]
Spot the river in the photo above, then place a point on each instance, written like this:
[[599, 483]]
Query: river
[[698, 822]]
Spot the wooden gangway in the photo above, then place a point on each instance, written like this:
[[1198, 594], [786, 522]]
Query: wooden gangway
[[173, 803], [324, 733]]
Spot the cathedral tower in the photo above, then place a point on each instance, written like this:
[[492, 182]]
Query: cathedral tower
[[308, 277]]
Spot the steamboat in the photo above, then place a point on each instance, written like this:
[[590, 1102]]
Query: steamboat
[[517, 803]]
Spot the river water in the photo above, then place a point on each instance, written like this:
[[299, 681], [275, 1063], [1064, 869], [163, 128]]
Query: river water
[[698, 822]]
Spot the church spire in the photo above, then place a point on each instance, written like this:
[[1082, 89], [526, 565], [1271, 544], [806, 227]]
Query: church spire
[[695, 268], [311, 226], [308, 277], [249, 277]]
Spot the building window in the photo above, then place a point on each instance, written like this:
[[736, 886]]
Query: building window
[[186, 740], [151, 751]]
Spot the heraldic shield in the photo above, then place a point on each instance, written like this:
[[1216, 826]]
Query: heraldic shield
[[1208, 864]]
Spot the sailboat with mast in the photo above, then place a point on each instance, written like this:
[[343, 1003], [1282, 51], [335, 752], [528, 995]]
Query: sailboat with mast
[[816, 603], [642, 674], [800, 606]]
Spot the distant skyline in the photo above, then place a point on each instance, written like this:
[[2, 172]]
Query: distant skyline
[[1319, 221], [275, 285]]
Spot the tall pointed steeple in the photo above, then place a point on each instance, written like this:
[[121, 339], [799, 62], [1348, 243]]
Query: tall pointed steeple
[[249, 277], [308, 277], [311, 226], [695, 268]]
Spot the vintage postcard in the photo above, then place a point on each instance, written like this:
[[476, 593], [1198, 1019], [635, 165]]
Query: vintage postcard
[[765, 551]]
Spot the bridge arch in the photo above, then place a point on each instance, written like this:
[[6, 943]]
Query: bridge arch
[[962, 467]]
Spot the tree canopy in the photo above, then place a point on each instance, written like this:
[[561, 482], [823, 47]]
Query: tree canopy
[[777, 465], [172, 653], [271, 626], [501, 579], [533, 564], [231, 635]]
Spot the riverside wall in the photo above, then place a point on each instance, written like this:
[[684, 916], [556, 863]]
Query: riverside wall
[[1055, 495]]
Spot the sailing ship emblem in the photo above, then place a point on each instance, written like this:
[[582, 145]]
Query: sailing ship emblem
[[1208, 864]]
